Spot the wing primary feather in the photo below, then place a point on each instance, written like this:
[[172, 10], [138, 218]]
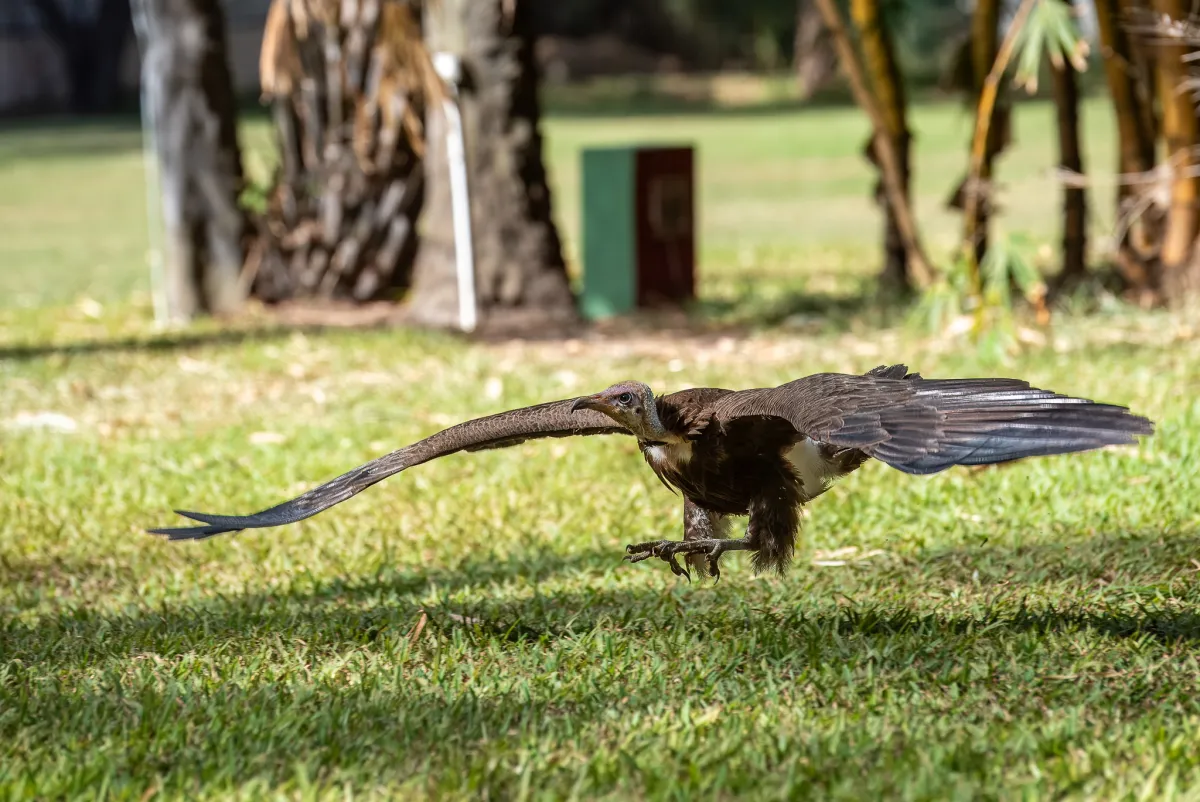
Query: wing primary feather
[[502, 430], [923, 425]]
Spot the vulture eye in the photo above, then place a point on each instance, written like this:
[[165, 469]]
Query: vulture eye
[[625, 398]]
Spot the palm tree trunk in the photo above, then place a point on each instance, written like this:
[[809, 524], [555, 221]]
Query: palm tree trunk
[[889, 166], [1141, 65], [814, 61], [985, 47], [1182, 135], [1140, 221], [188, 83], [347, 100], [520, 275], [880, 62], [1070, 159]]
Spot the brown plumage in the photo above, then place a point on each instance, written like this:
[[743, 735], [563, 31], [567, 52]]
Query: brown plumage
[[762, 453]]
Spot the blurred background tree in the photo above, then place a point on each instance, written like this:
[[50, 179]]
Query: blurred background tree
[[883, 71], [348, 86], [1174, 273], [1130, 85], [520, 273], [813, 56], [358, 207], [187, 84]]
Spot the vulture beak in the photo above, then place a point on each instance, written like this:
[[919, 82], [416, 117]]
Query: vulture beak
[[588, 402]]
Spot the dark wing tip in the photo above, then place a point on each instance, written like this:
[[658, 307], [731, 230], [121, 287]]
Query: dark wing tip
[[190, 532]]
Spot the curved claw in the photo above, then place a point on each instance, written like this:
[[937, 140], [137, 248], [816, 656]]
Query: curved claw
[[713, 569], [667, 553], [676, 568]]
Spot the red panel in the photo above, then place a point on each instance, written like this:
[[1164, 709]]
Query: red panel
[[665, 215]]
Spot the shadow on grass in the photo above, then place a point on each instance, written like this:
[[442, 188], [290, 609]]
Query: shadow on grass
[[166, 343], [184, 738], [26, 580], [140, 716], [127, 693], [1092, 580], [704, 318], [330, 614], [500, 330], [342, 612]]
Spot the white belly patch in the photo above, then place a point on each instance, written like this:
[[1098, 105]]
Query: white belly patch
[[806, 460]]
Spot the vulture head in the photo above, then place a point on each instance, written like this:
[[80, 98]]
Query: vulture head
[[630, 404]]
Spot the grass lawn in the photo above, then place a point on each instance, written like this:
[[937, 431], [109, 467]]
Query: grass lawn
[[468, 630]]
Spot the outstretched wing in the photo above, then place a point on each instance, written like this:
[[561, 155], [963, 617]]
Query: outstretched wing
[[924, 426], [502, 430]]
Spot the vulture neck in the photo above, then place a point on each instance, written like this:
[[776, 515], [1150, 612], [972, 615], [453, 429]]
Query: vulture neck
[[651, 431], [665, 448]]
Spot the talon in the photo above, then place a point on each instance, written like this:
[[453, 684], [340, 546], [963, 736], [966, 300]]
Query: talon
[[676, 568], [637, 558], [713, 569]]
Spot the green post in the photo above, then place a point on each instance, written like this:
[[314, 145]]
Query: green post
[[609, 232]]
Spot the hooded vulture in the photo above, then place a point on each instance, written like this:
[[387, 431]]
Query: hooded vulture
[[762, 452]]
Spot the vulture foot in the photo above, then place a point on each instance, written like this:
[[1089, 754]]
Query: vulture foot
[[668, 550], [662, 549]]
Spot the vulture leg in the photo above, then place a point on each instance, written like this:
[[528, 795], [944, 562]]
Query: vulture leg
[[702, 524], [771, 535]]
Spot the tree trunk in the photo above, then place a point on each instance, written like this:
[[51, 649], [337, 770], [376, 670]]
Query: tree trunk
[[880, 61], [984, 49], [187, 82], [889, 162], [814, 60], [91, 49], [348, 86], [1139, 219], [1180, 131], [1141, 66], [520, 275], [1066, 103]]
